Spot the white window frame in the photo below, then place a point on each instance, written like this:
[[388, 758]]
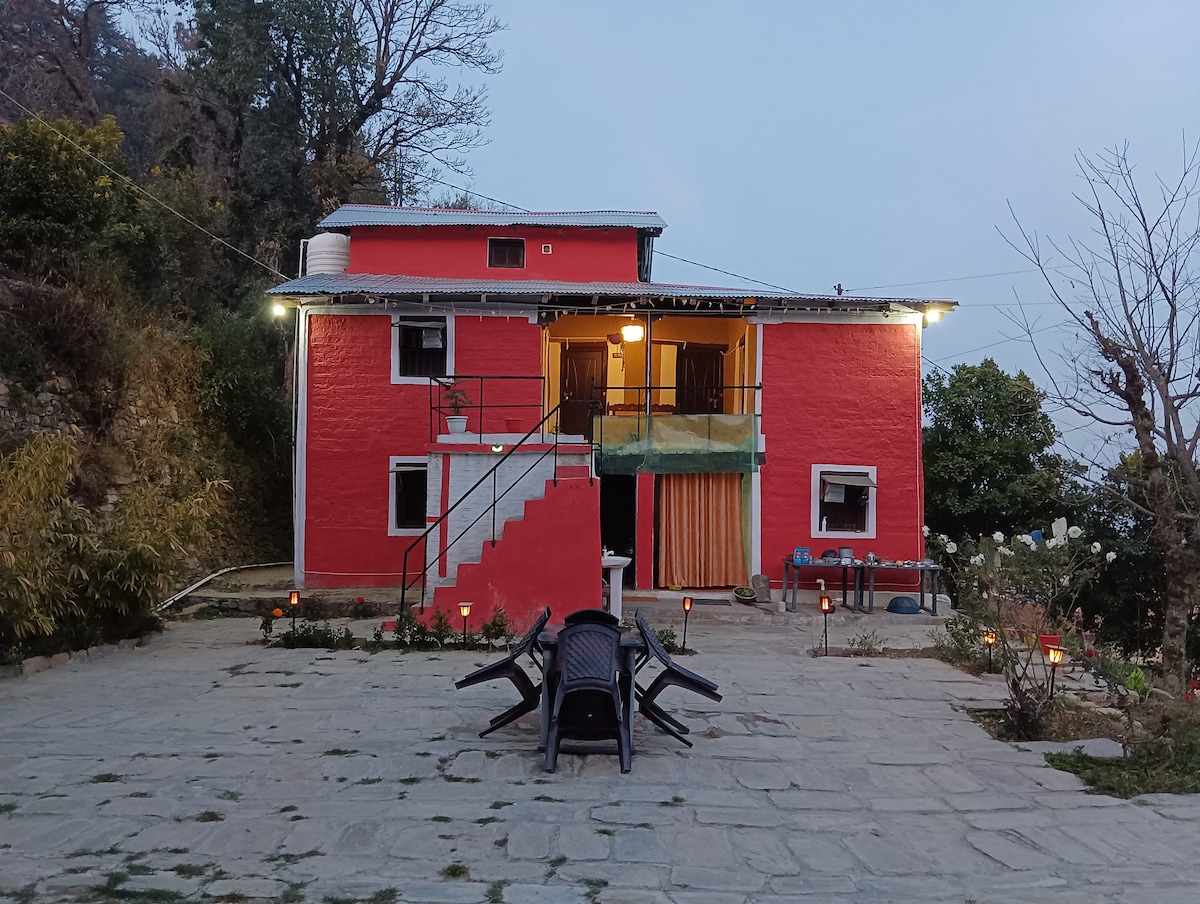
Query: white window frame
[[815, 497], [393, 463], [398, 380]]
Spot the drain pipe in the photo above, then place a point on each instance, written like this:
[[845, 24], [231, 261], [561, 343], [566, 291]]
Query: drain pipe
[[171, 601]]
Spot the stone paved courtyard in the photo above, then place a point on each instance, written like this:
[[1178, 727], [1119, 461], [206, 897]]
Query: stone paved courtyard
[[207, 766]]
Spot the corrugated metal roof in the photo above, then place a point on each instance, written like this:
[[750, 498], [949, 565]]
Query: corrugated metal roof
[[379, 215], [396, 285]]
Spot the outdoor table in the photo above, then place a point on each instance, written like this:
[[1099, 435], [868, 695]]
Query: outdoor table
[[791, 578], [919, 567], [631, 645]]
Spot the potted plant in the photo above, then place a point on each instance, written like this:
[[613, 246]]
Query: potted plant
[[456, 398]]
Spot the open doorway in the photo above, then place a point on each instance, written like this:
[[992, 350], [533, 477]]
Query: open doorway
[[618, 518], [583, 370]]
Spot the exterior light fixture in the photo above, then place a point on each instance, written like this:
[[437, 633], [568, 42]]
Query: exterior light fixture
[[932, 316], [687, 610], [464, 609], [278, 310], [989, 639], [633, 332], [294, 605], [826, 607], [497, 447], [1055, 655]]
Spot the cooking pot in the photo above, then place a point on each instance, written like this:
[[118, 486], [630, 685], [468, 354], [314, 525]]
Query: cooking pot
[[845, 552]]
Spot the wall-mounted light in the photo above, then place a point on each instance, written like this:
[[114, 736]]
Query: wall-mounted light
[[497, 447], [932, 316], [278, 310], [633, 332]]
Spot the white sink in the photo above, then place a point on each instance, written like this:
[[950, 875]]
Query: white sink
[[614, 561]]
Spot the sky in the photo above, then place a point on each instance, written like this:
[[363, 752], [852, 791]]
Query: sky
[[873, 144]]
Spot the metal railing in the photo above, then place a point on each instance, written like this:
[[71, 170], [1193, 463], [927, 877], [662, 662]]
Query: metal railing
[[475, 386], [491, 475]]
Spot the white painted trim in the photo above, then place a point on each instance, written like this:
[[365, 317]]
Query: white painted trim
[[892, 318], [300, 472], [756, 475], [393, 461], [398, 380], [815, 504]]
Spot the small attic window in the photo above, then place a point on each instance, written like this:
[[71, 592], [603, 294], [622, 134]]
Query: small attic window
[[509, 253]]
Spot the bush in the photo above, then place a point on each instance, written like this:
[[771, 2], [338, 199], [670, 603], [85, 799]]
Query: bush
[[321, 635], [498, 628], [69, 580]]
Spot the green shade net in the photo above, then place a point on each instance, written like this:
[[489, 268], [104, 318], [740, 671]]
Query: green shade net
[[676, 443]]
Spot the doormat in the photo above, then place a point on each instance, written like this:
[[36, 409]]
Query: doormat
[[710, 601]]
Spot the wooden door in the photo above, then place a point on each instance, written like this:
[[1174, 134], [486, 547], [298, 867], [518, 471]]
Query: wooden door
[[583, 373], [699, 376]]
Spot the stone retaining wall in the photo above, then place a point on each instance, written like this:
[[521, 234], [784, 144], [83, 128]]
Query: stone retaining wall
[[35, 664]]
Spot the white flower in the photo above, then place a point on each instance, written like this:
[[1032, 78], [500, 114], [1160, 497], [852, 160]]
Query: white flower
[[1024, 538], [951, 547], [1055, 542], [1005, 551], [1095, 549], [943, 539], [998, 537], [977, 559], [1066, 579], [925, 529], [1109, 556], [1074, 533]]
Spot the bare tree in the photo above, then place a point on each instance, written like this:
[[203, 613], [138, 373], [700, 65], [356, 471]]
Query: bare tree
[[1131, 294]]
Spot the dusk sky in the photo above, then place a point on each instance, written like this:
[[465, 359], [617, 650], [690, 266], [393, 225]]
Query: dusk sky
[[872, 144]]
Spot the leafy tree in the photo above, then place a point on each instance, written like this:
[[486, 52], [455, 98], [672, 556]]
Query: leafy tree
[[987, 454], [1131, 294]]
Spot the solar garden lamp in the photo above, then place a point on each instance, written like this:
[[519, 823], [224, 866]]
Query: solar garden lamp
[[294, 605], [826, 608], [1055, 655], [989, 640], [687, 608], [464, 609]]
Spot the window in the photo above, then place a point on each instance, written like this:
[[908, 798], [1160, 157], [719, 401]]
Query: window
[[420, 347], [506, 253], [407, 499], [843, 501]]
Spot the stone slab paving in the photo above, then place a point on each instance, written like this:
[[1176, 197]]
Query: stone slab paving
[[207, 767]]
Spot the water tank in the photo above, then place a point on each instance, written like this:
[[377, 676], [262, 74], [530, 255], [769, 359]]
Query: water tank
[[328, 252]]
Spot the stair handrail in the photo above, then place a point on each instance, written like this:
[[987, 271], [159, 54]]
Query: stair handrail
[[405, 584]]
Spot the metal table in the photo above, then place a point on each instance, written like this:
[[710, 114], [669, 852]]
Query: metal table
[[791, 578], [919, 567]]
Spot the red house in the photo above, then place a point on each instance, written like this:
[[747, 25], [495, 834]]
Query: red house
[[702, 432]]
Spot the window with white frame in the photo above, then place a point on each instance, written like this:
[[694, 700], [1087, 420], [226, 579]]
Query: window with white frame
[[843, 501], [407, 495], [422, 347]]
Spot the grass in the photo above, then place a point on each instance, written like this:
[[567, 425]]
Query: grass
[[609, 832], [339, 751], [210, 816], [554, 865], [293, 858], [486, 820], [189, 870], [411, 780], [500, 804], [229, 795], [1163, 765], [290, 808], [675, 801], [495, 892], [547, 799], [104, 777], [456, 870], [440, 818], [7, 808], [111, 890]]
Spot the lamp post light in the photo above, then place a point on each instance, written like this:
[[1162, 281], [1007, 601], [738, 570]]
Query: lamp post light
[[294, 605], [1055, 655], [464, 609], [989, 639], [687, 608], [826, 608]]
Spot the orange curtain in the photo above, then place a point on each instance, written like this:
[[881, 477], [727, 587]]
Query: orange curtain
[[700, 531]]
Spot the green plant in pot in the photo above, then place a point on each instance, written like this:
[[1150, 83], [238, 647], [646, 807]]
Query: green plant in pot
[[456, 399]]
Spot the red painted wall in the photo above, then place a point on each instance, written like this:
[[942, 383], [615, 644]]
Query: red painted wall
[[458, 252], [550, 557], [356, 420], [644, 578], [841, 394]]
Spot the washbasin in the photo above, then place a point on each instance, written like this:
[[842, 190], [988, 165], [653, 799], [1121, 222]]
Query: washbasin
[[614, 561]]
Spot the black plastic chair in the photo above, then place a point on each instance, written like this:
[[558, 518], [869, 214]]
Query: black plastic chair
[[672, 674], [590, 683], [591, 617], [510, 668]]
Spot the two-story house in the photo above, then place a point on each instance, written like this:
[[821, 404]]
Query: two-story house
[[702, 432]]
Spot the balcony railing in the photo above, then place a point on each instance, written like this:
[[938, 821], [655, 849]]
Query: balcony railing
[[657, 437]]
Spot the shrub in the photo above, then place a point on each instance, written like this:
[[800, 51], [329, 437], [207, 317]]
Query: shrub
[[321, 635], [499, 628], [669, 640]]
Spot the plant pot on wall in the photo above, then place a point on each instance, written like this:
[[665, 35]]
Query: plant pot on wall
[[456, 423]]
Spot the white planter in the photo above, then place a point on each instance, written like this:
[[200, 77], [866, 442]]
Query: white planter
[[456, 423]]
